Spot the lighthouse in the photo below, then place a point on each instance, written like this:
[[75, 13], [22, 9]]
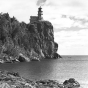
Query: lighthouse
[[40, 13], [38, 17]]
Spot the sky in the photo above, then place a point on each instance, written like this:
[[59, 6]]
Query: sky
[[69, 19]]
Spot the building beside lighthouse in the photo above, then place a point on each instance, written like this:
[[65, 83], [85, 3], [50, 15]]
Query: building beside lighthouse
[[37, 18]]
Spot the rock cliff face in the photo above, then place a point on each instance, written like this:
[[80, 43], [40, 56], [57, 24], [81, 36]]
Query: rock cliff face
[[25, 42]]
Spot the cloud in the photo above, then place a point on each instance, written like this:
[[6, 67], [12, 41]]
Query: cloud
[[72, 42], [21, 9], [64, 16], [75, 3], [41, 2], [68, 23], [83, 20], [68, 7]]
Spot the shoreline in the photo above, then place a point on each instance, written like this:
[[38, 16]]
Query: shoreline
[[14, 80]]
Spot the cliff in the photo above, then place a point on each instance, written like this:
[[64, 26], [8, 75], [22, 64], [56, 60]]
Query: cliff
[[24, 42]]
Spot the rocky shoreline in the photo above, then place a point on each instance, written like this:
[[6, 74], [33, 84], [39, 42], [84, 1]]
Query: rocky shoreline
[[14, 80]]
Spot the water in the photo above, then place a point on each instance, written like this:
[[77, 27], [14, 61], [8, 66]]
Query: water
[[57, 69]]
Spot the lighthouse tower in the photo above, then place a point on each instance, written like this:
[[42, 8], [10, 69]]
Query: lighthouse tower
[[37, 18], [40, 13]]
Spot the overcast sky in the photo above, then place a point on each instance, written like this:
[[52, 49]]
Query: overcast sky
[[69, 18]]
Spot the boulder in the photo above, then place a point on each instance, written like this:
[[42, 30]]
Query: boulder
[[23, 58], [49, 84], [71, 83]]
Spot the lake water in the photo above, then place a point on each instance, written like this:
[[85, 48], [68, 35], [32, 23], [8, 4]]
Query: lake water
[[57, 69]]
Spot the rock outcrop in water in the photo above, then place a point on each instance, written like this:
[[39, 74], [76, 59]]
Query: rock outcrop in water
[[14, 80], [71, 83], [25, 42]]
